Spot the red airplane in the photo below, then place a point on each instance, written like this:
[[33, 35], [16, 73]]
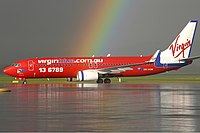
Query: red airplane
[[177, 55]]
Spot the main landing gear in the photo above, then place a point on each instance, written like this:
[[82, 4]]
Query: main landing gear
[[99, 81], [106, 81]]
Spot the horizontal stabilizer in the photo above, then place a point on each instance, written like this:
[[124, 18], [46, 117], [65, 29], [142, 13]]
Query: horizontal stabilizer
[[190, 58]]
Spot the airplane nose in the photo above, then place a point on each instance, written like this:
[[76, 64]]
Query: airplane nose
[[8, 70], [5, 70]]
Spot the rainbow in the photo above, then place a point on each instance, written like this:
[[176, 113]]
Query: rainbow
[[95, 35]]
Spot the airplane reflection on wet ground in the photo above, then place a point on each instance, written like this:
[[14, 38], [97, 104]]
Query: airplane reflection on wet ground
[[93, 107]]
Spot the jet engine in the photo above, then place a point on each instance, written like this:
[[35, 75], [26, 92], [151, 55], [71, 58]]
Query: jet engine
[[87, 75]]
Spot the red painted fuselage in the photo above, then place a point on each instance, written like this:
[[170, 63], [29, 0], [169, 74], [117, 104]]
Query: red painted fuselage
[[69, 67]]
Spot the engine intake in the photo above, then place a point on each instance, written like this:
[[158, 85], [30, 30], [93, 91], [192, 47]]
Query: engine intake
[[87, 75]]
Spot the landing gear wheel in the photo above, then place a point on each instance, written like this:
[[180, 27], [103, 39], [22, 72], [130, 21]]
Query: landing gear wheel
[[107, 81], [100, 81], [24, 82]]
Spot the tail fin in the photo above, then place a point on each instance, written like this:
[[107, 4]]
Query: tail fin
[[181, 46]]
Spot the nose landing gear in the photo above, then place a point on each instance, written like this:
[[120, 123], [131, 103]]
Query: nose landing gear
[[24, 82], [17, 79]]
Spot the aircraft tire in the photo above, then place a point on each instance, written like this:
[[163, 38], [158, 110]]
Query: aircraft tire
[[100, 81], [107, 81], [24, 82]]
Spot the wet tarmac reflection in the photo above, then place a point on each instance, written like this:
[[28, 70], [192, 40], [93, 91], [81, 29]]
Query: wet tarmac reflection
[[93, 107]]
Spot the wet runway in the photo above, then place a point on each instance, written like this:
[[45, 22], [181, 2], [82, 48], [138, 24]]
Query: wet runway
[[92, 107]]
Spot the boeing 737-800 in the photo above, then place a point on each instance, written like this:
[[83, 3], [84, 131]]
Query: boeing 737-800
[[177, 55]]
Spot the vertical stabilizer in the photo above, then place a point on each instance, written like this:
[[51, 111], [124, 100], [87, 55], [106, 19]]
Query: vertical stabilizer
[[181, 46]]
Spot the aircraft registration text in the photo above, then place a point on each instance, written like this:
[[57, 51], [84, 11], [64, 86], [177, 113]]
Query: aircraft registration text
[[51, 69]]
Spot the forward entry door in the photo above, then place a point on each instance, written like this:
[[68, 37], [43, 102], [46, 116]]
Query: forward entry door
[[30, 65]]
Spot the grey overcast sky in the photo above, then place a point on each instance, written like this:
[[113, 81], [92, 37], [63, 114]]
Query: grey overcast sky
[[52, 28]]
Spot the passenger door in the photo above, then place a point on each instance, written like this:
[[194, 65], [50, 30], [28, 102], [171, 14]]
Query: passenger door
[[30, 65]]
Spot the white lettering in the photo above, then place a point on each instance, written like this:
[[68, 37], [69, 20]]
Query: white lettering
[[51, 69], [55, 69], [54, 61], [88, 60], [49, 61], [42, 70]]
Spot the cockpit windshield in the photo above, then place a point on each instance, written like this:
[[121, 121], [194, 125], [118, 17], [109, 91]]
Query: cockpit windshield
[[16, 64]]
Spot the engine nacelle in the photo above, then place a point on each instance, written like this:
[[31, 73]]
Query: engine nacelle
[[87, 75]]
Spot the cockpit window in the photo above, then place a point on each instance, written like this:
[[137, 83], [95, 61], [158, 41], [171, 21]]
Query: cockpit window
[[16, 64]]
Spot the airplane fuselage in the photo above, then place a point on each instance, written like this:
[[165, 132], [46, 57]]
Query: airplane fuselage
[[65, 67]]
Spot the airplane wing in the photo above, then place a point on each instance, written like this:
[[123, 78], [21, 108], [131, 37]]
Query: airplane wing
[[118, 69], [190, 58], [123, 68]]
